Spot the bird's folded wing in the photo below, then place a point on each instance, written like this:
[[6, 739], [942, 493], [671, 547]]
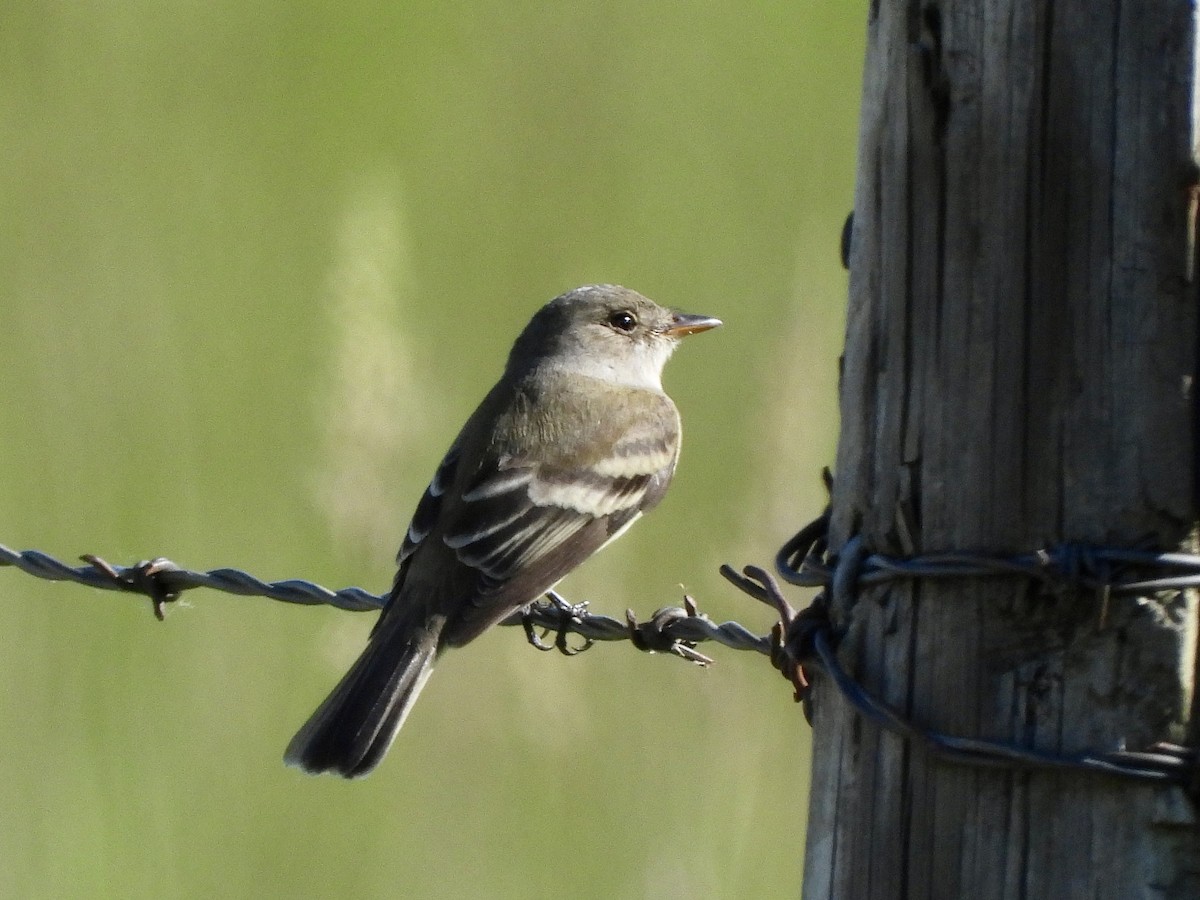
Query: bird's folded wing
[[429, 508], [520, 525], [515, 520]]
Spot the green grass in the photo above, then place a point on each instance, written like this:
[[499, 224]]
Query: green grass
[[259, 262]]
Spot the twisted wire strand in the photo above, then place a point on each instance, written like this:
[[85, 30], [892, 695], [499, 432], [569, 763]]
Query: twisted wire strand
[[670, 629], [1061, 567], [170, 580]]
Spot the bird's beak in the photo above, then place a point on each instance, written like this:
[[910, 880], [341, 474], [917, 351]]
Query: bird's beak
[[683, 323]]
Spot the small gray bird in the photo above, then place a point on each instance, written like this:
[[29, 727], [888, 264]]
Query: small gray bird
[[570, 447]]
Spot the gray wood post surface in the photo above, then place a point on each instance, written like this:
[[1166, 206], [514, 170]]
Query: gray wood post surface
[[1021, 342]]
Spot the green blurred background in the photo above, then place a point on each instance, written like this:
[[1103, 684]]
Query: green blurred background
[[259, 260]]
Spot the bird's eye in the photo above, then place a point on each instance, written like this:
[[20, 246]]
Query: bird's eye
[[622, 320]]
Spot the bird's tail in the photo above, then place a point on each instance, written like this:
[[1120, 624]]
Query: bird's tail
[[352, 730]]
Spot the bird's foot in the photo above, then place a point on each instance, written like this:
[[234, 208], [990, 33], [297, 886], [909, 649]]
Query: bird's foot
[[563, 615]]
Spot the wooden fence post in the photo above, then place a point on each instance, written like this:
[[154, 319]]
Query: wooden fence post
[[1018, 372]]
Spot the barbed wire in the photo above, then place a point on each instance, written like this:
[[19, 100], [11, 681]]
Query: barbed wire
[[163, 581], [800, 639], [1107, 571], [809, 638], [675, 630]]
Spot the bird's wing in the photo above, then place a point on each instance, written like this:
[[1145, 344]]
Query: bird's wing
[[516, 526], [429, 508]]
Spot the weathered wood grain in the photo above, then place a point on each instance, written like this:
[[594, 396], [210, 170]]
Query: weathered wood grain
[[1021, 340]]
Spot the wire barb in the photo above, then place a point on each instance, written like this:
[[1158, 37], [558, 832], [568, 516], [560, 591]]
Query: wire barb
[[141, 579], [660, 633]]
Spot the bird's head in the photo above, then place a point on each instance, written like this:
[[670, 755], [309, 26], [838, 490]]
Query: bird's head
[[606, 331]]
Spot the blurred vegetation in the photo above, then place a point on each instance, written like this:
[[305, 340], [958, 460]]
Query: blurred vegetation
[[260, 261]]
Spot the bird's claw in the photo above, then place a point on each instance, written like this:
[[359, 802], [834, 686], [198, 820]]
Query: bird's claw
[[567, 614]]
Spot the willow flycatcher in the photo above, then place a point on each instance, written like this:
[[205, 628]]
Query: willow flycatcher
[[570, 447]]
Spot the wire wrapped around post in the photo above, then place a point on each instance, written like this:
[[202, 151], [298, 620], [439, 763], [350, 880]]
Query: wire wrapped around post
[[807, 639]]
